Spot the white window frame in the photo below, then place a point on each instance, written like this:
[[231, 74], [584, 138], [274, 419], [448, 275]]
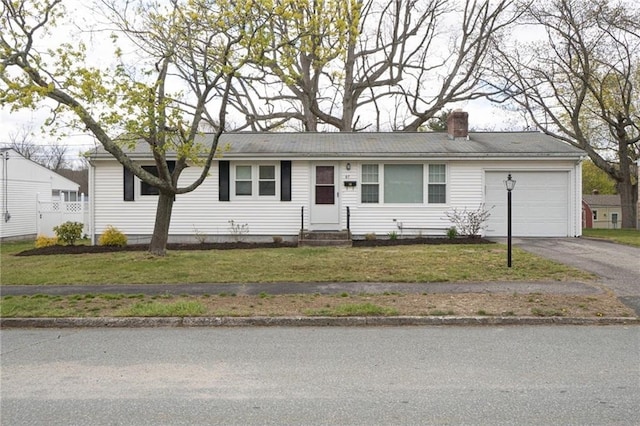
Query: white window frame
[[375, 183], [429, 183], [255, 181], [425, 184], [274, 180], [243, 180]]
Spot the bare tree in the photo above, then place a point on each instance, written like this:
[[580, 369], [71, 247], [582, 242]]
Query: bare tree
[[374, 64], [53, 156], [22, 142], [581, 83]]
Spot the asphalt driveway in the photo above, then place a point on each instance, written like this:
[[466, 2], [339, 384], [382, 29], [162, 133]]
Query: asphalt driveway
[[617, 265]]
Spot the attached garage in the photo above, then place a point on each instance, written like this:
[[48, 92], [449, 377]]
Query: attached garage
[[541, 203]]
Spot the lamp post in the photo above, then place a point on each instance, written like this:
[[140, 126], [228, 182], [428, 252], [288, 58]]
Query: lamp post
[[510, 184]]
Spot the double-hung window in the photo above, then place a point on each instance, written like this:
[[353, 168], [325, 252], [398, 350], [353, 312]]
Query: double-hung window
[[437, 184], [370, 183], [244, 181], [255, 179], [266, 180]]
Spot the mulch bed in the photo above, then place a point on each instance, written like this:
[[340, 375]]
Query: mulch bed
[[84, 249]]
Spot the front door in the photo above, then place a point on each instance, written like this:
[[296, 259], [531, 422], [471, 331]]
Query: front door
[[325, 210]]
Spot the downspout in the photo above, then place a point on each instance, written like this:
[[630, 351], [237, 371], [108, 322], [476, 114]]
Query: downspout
[[578, 202], [5, 187], [92, 198]]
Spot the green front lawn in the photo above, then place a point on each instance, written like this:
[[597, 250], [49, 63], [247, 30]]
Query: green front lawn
[[416, 263], [629, 237]]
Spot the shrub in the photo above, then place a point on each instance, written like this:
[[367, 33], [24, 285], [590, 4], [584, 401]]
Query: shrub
[[69, 232], [469, 222], [238, 230], [452, 232], [44, 241], [370, 237], [112, 237], [277, 239], [199, 236], [393, 235]]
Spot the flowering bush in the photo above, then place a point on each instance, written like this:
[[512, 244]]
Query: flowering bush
[[44, 241], [112, 237]]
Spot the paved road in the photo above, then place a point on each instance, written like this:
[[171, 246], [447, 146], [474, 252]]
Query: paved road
[[356, 376]]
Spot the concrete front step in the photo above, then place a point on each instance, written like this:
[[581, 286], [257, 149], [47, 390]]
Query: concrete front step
[[324, 238]]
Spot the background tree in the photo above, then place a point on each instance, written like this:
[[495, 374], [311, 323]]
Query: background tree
[[193, 47], [581, 83], [595, 179], [54, 156], [21, 141], [377, 64], [439, 122]]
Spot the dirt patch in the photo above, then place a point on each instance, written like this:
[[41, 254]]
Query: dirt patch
[[463, 305], [85, 249]]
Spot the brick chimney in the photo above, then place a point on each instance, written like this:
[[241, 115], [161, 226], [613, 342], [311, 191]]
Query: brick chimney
[[458, 124]]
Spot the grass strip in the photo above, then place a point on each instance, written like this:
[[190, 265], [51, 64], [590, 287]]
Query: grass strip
[[469, 304], [630, 237], [415, 263]]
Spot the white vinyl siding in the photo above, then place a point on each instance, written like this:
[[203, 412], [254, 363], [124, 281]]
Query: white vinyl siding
[[24, 183], [199, 211], [465, 188]]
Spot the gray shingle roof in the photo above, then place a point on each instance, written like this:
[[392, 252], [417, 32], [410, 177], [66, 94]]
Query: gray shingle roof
[[606, 200], [369, 145]]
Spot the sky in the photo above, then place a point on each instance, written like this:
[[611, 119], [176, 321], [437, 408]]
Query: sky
[[482, 114]]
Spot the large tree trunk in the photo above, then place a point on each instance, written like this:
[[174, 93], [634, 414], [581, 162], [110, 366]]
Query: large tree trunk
[[158, 245], [628, 203]]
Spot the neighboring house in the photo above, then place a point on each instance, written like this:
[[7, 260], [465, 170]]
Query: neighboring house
[[601, 211], [81, 177], [25, 186], [275, 184]]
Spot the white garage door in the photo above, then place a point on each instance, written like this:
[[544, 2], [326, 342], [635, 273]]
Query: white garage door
[[540, 204]]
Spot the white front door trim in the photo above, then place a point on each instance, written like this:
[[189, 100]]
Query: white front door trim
[[325, 197]]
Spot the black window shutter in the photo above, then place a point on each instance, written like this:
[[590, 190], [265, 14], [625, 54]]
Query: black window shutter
[[285, 181], [128, 185], [223, 177]]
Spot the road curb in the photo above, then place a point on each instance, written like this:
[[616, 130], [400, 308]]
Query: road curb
[[140, 322]]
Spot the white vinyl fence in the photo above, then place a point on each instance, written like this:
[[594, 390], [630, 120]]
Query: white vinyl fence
[[54, 213]]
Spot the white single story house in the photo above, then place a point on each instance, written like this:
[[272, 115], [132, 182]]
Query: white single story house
[[24, 187], [278, 184]]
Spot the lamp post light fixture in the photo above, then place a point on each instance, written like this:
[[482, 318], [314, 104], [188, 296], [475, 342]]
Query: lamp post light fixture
[[510, 184]]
